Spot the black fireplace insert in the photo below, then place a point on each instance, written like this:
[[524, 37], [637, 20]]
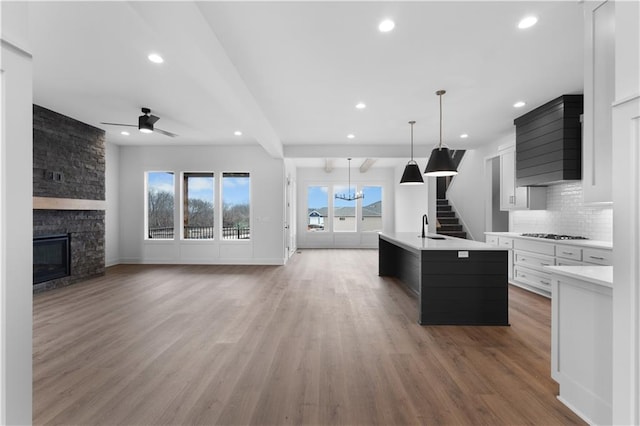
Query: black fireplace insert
[[51, 257]]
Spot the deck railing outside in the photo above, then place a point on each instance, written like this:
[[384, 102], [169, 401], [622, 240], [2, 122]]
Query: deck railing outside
[[201, 233]]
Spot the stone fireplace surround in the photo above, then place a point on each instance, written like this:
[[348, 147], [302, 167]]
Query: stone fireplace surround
[[69, 191]]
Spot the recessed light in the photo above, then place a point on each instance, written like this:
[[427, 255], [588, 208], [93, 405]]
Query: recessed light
[[155, 58], [527, 22], [351, 136], [464, 136], [237, 133], [386, 26], [124, 133], [361, 105], [519, 104]]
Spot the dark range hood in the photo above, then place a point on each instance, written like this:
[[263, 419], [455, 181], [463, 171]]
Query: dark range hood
[[549, 143]]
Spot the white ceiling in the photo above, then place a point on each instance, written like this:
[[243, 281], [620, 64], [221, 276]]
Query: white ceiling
[[288, 74]]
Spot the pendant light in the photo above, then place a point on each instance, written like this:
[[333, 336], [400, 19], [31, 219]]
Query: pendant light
[[350, 196], [440, 162], [411, 175]]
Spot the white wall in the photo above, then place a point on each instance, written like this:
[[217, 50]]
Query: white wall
[[112, 216], [468, 191], [16, 216], [411, 204], [566, 214], [267, 205], [315, 176]]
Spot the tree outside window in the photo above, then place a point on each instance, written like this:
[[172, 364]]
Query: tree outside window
[[236, 211], [160, 205], [198, 205]]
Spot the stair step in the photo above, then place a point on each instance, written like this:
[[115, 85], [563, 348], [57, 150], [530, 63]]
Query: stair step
[[448, 220], [446, 214], [449, 227], [442, 208], [442, 201], [458, 234]]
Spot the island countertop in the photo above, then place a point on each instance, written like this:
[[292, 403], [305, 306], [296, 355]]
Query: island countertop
[[413, 241]]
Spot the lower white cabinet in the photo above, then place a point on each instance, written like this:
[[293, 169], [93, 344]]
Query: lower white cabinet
[[581, 343], [529, 257]]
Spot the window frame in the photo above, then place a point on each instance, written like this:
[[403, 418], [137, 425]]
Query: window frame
[[221, 209], [146, 205], [184, 198]]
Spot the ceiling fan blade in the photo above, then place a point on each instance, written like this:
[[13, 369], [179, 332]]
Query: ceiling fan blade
[[151, 119], [164, 132], [119, 124]]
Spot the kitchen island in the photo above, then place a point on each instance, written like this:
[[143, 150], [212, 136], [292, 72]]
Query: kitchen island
[[458, 282]]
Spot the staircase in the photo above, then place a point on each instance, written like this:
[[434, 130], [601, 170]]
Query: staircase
[[448, 223]]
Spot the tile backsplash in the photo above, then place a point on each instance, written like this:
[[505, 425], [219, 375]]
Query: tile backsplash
[[566, 214]]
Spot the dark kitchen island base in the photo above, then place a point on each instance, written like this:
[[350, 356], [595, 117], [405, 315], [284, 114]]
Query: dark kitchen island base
[[458, 282]]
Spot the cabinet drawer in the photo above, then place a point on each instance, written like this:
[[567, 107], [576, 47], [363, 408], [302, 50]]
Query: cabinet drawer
[[531, 260], [569, 252], [537, 279], [567, 262], [505, 242], [597, 256], [492, 239], [535, 247]]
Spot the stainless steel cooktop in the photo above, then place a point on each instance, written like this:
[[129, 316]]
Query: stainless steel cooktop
[[554, 236]]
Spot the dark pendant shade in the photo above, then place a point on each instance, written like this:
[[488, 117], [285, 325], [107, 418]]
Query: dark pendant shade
[[440, 163], [411, 175]]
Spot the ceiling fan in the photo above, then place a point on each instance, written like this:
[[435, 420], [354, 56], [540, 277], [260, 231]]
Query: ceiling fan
[[145, 124]]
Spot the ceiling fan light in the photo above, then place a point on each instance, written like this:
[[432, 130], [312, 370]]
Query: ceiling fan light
[[144, 125], [440, 163], [411, 175]]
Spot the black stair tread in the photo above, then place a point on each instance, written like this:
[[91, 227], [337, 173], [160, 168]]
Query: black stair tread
[[448, 227], [443, 208], [448, 220], [441, 201], [458, 234], [445, 214]]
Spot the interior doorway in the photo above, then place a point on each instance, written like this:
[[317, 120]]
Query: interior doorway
[[496, 219]]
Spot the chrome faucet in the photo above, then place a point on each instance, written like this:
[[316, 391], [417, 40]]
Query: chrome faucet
[[425, 221]]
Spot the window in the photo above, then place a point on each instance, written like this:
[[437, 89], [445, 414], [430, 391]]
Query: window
[[344, 212], [236, 210], [372, 208], [317, 208], [198, 205], [160, 195]]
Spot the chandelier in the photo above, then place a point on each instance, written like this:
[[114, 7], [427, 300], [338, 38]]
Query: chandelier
[[350, 196]]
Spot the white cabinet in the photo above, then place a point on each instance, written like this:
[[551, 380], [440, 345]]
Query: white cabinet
[[581, 341], [511, 196], [599, 91], [530, 257]]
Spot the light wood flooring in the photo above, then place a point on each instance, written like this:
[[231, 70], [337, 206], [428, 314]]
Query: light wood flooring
[[322, 340]]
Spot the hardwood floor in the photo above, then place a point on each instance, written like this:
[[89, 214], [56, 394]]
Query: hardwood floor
[[322, 340]]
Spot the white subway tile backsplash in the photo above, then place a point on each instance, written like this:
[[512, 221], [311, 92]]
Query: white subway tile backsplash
[[566, 214]]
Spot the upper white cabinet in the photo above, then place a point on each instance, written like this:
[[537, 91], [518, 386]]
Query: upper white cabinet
[[511, 196], [599, 76]]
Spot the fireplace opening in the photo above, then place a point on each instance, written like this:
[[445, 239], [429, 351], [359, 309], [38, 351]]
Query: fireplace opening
[[51, 257]]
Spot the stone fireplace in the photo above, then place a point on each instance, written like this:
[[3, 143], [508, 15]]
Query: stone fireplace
[[69, 193]]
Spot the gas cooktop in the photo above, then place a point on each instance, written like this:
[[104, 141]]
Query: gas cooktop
[[555, 236]]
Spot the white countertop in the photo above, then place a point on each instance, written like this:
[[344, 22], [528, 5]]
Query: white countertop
[[413, 241], [600, 275], [581, 243]]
